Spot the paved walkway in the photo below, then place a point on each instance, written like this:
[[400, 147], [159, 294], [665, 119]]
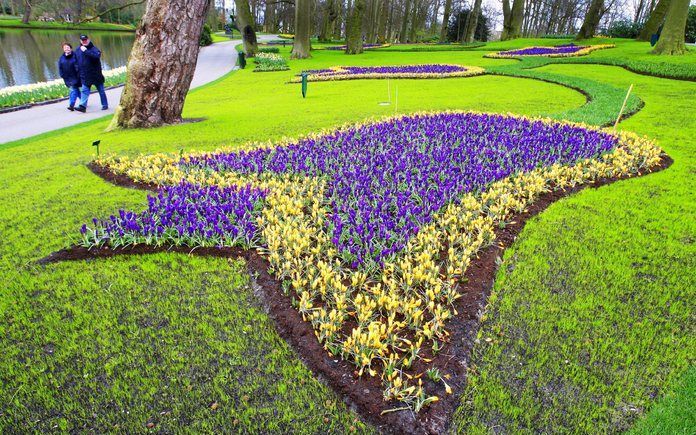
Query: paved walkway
[[214, 61]]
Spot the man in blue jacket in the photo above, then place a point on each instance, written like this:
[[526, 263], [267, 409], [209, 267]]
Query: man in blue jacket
[[90, 67], [67, 67]]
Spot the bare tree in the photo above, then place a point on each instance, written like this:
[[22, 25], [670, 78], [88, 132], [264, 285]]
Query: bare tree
[[161, 64]]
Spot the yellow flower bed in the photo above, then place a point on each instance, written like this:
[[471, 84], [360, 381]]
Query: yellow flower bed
[[403, 308]]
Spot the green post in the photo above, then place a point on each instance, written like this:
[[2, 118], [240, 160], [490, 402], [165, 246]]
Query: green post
[[96, 144], [304, 84]]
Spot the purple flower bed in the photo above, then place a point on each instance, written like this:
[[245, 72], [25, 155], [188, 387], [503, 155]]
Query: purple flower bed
[[185, 215], [397, 69], [343, 47], [386, 180], [539, 51]]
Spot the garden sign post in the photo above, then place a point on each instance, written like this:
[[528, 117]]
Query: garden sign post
[[304, 84]]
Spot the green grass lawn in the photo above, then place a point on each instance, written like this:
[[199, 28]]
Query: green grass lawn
[[17, 23], [603, 279]]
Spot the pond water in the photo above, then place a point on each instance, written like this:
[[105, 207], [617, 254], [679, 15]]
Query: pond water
[[30, 56]]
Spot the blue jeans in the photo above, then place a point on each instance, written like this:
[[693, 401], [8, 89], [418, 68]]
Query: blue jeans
[[74, 95], [84, 96]]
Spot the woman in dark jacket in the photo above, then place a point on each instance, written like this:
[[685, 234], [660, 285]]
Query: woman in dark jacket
[[67, 67], [90, 67]]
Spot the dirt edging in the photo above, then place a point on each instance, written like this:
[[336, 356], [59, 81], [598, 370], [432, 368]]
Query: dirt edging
[[364, 395]]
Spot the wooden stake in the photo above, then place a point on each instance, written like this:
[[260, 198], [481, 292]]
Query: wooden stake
[[623, 106]]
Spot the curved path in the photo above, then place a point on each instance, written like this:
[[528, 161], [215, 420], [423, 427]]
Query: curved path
[[214, 61]]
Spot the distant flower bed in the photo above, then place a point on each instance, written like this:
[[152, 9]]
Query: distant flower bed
[[365, 46], [370, 227], [286, 36], [37, 92], [270, 62], [434, 71], [565, 50]]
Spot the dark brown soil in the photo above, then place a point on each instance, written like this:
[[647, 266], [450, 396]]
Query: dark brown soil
[[365, 394]]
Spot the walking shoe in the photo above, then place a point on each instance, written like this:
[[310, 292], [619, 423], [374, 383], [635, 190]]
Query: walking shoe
[[81, 108], [105, 107], [71, 108]]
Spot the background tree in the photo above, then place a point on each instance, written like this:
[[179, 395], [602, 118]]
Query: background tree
[[329, 15], [246, 24], [516, 18], [472, 22], [591, 21], [456, 27], [354, 43], [671, 40], [445, 19], [301, 46], [27, 12], [161, 64], [657, 17]]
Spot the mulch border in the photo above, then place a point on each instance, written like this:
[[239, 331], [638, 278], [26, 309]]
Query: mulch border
[[364, 394]]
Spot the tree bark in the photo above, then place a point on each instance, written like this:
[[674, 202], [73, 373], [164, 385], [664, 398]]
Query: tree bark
[[414, 21], [473, 22], [655, 21], [161, 64], [516, 18], [354, 43], [382, 26], [445, 20], [329, 16], [301, 46], [507, 16], [245, 24], [672, 38], [27, 12], [591, 21], [403, 35], [269, 18]]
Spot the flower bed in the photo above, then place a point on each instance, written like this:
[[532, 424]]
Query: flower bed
[[565, 50], [270, 62], [372, 227], [365, 47], [37, 92], [429, 71]]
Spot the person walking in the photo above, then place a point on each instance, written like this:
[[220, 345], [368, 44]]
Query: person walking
[[90, 68], [67, 67]]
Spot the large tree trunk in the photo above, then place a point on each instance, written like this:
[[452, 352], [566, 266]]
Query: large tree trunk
[[656, 19], [507, 16], [473, 22], [354, 43], [303, 22], [414, 21], [592, 17], [328, 19], [245, 24], [382, 25], [161, 64], [403, 35], [27, 12], [516, 18], [672, 37]]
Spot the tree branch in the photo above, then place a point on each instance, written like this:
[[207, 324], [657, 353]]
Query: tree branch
[[114, 9]]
